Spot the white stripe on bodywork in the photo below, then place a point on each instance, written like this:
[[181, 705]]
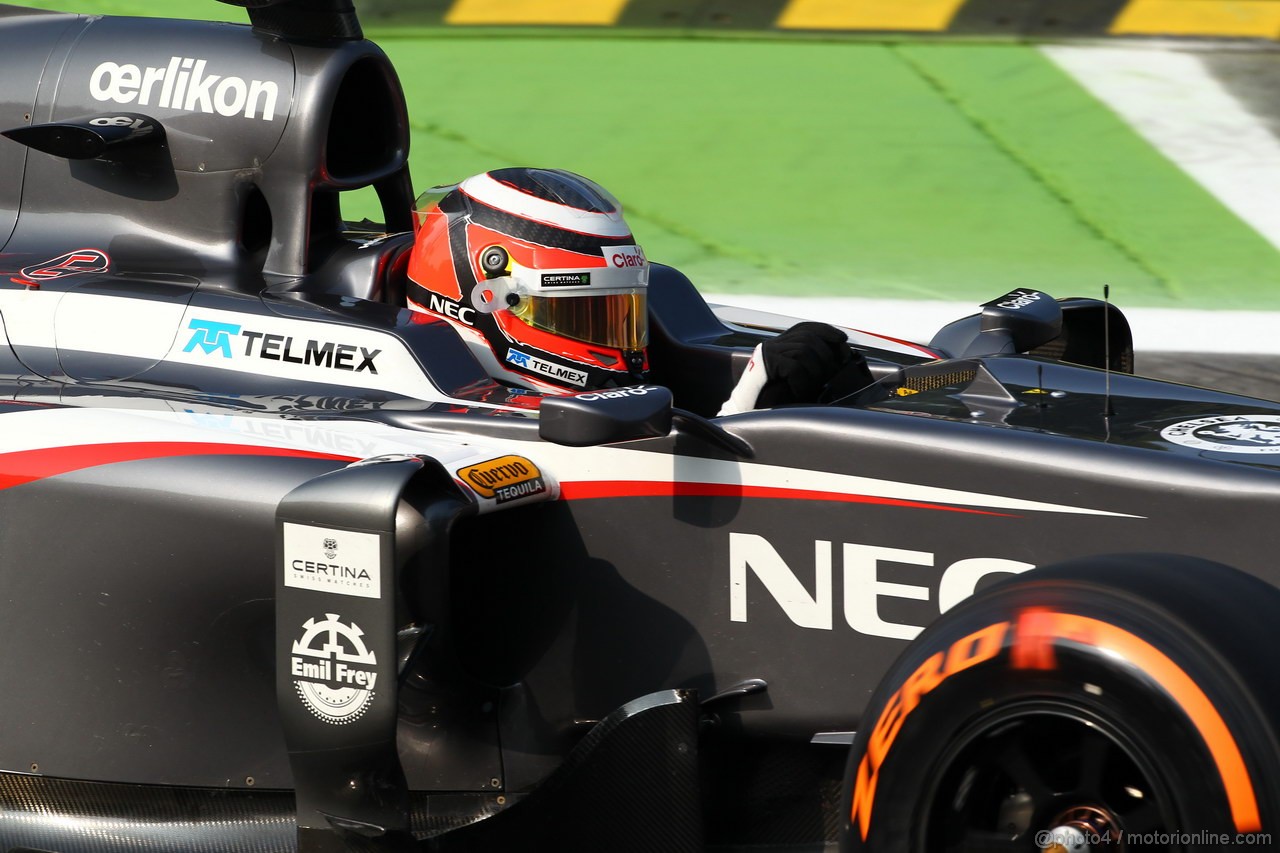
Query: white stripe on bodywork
[[84, 322], [161, 332], [398, 370], [611, 464], [64, 427], [41, 429]]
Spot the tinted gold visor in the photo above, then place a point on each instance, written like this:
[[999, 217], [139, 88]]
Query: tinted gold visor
[[618, 320]]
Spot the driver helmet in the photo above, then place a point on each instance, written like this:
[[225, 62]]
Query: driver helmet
[[539, 273]]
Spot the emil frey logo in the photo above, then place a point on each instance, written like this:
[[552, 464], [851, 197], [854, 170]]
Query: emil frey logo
[[334, 672]]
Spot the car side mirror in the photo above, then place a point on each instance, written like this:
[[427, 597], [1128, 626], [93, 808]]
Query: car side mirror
[[1027, 318], [603, 417]]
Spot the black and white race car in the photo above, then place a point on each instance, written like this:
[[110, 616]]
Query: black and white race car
[[282, 568]]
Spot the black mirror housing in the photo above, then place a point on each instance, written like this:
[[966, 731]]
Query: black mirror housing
[[593, 418], [1028, 318]]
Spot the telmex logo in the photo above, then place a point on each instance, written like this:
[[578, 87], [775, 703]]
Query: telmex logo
[[547, 368], [213, 337], [183, 85]]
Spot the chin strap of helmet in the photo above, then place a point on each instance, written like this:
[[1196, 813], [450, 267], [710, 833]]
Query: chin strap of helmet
[[635, 366]]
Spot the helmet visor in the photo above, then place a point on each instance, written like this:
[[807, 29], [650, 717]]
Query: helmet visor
[[619, 320]]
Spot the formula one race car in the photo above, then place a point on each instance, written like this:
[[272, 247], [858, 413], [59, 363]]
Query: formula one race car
[[282, 568]]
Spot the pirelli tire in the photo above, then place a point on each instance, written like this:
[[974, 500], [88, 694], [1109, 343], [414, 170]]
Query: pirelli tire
[[1125, 703]]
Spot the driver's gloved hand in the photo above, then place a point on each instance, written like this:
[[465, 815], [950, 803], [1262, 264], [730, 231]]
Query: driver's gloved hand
[[799, 363], [794, 367]]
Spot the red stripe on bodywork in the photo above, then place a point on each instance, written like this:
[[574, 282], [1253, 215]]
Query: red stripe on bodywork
[[915, 346], [648, 489], [23, 466]]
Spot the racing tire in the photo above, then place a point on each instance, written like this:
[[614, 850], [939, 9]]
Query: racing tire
[[1124, 703]]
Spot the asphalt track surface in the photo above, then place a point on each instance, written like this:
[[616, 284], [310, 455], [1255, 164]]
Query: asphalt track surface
[[1250, 375]]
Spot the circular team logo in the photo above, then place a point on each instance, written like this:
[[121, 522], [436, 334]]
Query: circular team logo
[[334, 673], [1228, 433]]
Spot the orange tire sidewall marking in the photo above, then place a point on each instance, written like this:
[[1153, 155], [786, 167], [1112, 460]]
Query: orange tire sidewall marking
[[1044, 628], [1183, 690], [968, 651]]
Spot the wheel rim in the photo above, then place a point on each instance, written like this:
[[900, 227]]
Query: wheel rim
[[1024, 772]]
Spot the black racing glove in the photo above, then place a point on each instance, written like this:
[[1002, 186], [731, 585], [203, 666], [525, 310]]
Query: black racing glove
[[800, 362]]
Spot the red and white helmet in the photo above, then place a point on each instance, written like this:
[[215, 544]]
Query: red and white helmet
[[539, 273]]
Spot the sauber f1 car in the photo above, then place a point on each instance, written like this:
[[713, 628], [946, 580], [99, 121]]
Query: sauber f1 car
[[282, 568]]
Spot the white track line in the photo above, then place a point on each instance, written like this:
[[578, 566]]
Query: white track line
[[1170, 98], [1154, 329], [1175, 103]]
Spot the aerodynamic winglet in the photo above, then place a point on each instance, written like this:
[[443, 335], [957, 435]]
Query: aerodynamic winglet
[[88, 137], [304, 20]]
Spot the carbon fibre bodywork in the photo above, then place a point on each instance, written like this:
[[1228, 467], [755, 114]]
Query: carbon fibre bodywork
[[278, 555]]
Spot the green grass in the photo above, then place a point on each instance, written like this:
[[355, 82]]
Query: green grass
[[798, 166], [925, 169], [205, 10]]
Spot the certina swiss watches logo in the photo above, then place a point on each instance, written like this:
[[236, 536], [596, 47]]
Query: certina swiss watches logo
[[334, 672], [505, 478], [566, 279], [1228, 433], [546, 368], [184, 84], [214, 338], [343, 562]]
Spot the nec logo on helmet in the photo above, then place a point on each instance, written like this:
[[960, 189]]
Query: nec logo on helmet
[[626, 256]]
